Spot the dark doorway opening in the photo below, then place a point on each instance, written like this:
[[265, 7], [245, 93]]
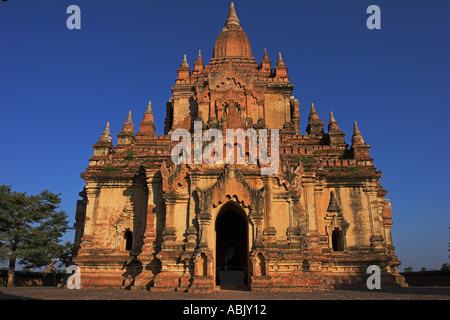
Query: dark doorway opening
[[128, 236], [231, 236], [337, 240]]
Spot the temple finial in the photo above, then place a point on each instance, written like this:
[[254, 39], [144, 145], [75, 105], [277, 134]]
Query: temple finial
[[359, 149], [336, 136], [315, 125], [128, 126], [198, 64], [232, 19], [332, 125], [313, 113], [265, 62], [106, 135], [149, 108], [126, 136], [147, 125], [355, 129], [129, 120], [185, 63], [280, 61], [199, 57], [265, 56], [280, 68], [357, 138], [332, 117], [184, 71], [107, 129]]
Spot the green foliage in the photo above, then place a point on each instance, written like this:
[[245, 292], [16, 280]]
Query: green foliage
[[31, 228], [408, 269], [445, 267], [353, 170], [129, 155], [112, 169], [349, 169], [423, 269], [307, 161]]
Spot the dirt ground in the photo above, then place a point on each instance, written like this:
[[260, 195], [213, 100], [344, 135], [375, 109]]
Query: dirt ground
[[53, 293]]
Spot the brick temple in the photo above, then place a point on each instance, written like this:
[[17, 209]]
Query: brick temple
[[317, 223]]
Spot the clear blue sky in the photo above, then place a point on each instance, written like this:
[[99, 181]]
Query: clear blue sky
[[59, 87]]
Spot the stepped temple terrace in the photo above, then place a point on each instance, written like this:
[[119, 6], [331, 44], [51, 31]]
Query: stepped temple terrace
[[318, 222]]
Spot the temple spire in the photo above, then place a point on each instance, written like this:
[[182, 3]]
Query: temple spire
[[359, 149], [357, 138], [232, 19], [356, 129], [149, 108], [336, 136], [185, 63], [332, 117], [265, 57], [281, 69], [315, 125], [184, 71], [129, 120], [232, 42], [107, 131], [126, 136], [198, 64], [313, 113], [147, 125], [106, 135], [104, 144], [332, 124], [265, 62], [128, 127], [280, 61]]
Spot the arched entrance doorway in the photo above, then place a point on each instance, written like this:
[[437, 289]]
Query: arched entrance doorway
[[232, 253], [337, 240]]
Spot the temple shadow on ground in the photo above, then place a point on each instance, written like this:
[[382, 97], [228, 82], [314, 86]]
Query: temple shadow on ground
[[408, 290]]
